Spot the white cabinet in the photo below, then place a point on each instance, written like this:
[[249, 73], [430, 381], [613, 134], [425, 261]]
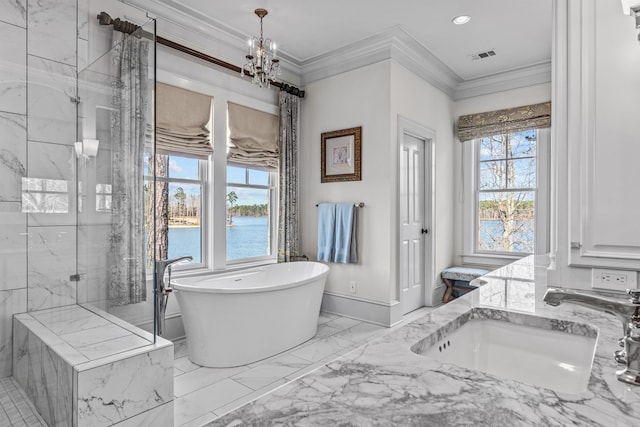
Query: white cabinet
[[596, 137]]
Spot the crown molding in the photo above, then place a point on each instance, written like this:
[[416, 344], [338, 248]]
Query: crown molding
[[521, 77], [396, 44], [185, 25]]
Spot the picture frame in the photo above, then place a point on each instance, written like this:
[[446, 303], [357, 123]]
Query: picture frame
[[340, 158]]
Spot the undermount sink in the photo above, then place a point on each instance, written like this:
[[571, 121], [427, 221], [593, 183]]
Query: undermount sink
[[549, 353]]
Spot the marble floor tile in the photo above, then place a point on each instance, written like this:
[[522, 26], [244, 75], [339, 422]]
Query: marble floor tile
[[326, 317], [270, 372], [232, 406], [184, 364], [360, 332], [320, 349], [207, 399], [306, 370], [336, 336], [343, 323], [325, 330], [15, 407], [200, 421], [202, 377]]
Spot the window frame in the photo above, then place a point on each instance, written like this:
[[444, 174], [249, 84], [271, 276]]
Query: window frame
[[203, 166], [272, 188], [471, 191], [215, 184]]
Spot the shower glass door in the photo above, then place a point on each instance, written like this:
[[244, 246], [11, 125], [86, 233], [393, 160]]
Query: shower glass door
[[116, 140]]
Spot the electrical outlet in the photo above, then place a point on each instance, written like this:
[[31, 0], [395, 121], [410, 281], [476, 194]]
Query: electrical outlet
[[352, 286], [619, 280]]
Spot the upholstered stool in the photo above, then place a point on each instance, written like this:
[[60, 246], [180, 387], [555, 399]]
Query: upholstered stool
[[457, 279]]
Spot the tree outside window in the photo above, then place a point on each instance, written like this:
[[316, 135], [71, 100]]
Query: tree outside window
[[506, 193]]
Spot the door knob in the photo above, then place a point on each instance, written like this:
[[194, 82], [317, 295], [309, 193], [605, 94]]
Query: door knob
[[424, 231]]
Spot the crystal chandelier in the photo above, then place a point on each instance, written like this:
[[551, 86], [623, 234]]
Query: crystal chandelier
[[262, 63]]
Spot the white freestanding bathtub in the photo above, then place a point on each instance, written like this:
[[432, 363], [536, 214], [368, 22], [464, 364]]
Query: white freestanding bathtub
[[233, 319]]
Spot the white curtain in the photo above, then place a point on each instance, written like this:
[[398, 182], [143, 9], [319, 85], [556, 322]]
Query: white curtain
[[131, 99]]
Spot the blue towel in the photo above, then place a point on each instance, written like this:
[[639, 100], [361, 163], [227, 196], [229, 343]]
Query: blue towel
[[345, 234], [326, 231]]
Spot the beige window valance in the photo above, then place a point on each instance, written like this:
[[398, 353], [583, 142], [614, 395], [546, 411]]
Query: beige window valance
[[253, 139], [182, 122], [509, 120]]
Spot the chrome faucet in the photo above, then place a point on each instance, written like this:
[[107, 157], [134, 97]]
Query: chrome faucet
[[163, 289], [627, 311]]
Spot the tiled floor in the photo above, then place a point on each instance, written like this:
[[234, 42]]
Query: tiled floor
[[15, 409], [203, 394]]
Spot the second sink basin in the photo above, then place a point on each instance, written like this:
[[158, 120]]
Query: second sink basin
[[534, 350]]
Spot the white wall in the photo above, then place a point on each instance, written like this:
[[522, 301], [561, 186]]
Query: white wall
[[417, 100], [356, 98], [373, 97], [496, 101]]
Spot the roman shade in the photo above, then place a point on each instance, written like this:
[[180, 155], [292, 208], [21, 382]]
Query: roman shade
[[182, 122], [253, 138], [474, 126]]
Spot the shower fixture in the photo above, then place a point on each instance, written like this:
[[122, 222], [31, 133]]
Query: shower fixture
[[163, 289]]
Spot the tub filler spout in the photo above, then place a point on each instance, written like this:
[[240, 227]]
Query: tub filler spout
[[163, 289]]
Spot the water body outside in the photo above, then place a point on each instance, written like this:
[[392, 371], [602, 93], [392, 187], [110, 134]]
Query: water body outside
[[246, 238]]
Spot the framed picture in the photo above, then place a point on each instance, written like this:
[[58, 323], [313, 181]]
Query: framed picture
[[340, 157]]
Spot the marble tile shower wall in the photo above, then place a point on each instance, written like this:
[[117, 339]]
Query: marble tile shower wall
[[37, 176]]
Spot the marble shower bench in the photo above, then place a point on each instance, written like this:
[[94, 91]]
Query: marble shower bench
[[81, 366]]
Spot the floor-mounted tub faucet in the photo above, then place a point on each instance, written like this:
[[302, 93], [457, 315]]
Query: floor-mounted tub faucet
[[627, 311], [163, 289]]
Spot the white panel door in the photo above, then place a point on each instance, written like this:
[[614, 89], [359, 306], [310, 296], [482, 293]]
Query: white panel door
[[412, 222]]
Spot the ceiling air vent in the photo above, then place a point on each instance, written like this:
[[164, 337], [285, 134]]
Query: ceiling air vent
[[483, 55]]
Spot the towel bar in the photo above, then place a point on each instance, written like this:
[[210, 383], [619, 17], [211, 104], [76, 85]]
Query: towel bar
[[357, 205]]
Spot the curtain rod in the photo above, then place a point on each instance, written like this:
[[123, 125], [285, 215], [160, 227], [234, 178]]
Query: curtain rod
[[128, 27]]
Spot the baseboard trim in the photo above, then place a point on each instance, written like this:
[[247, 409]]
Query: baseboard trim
[[379, 313], [438, 293]]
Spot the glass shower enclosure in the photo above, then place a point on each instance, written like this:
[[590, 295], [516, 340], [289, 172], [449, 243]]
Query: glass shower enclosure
[[115, 186]]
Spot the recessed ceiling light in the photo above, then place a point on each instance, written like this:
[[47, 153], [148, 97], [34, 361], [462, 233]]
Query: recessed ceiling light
[[462, 19]]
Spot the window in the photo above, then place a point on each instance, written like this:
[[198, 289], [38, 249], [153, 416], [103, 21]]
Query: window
[[506, 206], [215, 178], [179, 193], [250, 213]]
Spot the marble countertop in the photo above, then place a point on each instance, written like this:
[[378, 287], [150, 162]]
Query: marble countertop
[[384, 383]]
